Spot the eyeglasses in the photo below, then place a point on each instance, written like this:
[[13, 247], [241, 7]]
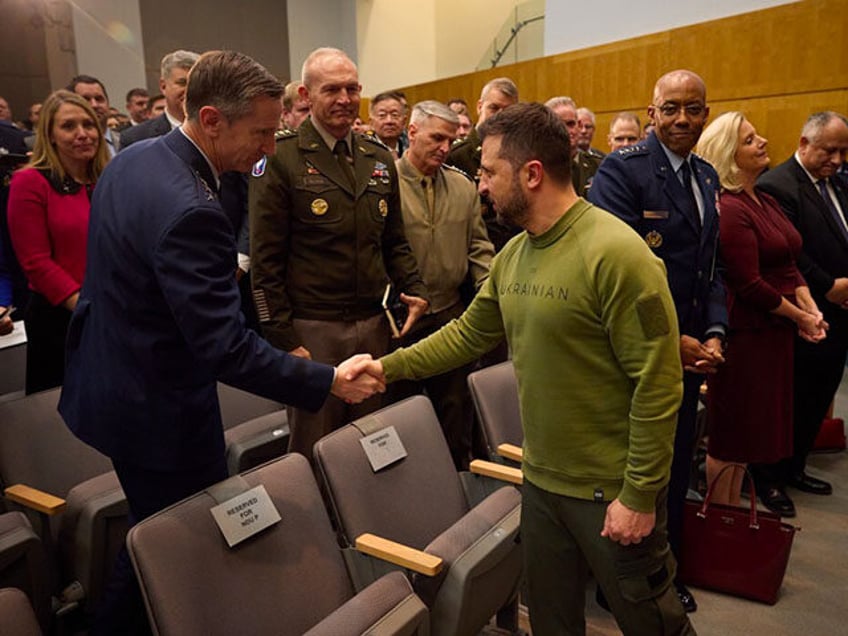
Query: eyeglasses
[[670, 109], [383, 115]]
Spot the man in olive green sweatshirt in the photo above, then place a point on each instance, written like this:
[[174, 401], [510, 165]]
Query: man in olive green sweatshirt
[[590, 322]]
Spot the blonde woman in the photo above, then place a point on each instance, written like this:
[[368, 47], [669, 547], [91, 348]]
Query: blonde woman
[[49, 203], [750, 397]]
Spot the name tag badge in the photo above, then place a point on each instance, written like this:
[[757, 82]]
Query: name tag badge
[[245, 515], [655, 214], [383, 448]]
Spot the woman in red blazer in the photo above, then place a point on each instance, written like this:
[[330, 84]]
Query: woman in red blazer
[[750, 397], [49, 202]]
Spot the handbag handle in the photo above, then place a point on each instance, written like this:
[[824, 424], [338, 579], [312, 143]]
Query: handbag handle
[[752, 492]]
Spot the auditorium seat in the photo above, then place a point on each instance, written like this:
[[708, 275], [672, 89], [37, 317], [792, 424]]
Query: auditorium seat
[[289, 579], [23, 564], [494, 391], [256, 429], [68, 491], [256, 441], [16, 615], [422, 503], [239, 406]]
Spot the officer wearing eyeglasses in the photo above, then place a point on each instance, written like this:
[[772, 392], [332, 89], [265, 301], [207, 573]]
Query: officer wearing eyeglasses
[[668, 195]]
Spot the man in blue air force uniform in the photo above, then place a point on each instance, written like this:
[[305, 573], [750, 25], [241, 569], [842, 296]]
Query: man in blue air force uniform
[[668, 195], [158, 319]]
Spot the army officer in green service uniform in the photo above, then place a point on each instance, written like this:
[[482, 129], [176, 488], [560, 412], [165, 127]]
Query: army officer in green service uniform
[[465, 155], [326, 238]]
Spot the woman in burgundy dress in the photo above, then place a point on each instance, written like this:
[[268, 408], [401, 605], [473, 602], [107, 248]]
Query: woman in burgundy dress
[[750, 397]]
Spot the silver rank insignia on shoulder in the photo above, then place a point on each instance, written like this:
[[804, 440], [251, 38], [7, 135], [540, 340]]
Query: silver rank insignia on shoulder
[[654, 239], [209, 192]]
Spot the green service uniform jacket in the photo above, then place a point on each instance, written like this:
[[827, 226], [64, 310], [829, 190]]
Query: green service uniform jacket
[[320, 248]]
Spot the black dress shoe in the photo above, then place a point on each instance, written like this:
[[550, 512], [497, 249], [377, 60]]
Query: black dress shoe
[[686, 598], [803, 482], [778, 501]]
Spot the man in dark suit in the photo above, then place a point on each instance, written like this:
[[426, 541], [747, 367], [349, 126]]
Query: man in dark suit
[[173, 74], [816, 202], [668, 195], [94, 92], [158, 322]]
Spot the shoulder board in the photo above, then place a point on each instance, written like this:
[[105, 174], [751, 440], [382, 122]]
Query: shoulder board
[[373, 139], [457, 170], [460, 143], [286, 133], [636, 150]]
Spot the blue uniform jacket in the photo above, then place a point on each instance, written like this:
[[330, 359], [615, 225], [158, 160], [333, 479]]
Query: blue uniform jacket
[[158, 320], [638, 185]]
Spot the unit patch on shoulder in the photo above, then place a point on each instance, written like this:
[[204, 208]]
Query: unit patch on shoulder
[[259, 167]]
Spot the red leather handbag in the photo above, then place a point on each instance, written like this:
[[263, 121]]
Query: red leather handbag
[[733, 550]]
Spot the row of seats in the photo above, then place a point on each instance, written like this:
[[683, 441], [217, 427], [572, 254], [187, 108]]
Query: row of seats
[[462, 523]]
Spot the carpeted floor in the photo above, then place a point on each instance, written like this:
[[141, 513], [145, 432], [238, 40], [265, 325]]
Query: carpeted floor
[[814, 597]]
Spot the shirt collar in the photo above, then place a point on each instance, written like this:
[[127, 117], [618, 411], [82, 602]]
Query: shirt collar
[[175, 123], [800, 163], [673, 158], [203, 154], [330, 140]]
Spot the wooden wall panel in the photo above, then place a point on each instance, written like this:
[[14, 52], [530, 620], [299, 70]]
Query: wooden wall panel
[[777, 65]]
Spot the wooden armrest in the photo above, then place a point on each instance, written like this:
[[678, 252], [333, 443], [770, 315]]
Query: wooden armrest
[[511, 451], [35, 499], [399, 554], [496, 471]]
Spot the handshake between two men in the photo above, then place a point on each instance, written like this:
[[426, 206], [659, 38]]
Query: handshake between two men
[[358, 378]]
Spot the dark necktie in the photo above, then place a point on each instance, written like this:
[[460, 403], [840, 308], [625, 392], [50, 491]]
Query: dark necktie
[[686, 176], [344, 159], [828, 201]]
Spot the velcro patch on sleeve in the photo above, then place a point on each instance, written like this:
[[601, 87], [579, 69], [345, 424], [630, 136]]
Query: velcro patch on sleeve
[[652, 316]]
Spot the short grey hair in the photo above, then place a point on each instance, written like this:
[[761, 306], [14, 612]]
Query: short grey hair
[[177, 59], [320, 53], [502, 84], [562, 100], [431, 108], [585, 111], [817, 121]]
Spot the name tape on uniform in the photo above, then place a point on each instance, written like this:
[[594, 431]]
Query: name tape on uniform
[[245, 515], [383, 448]]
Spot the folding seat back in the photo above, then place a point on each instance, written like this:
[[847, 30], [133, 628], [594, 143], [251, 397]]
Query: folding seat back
[[256, 429], [257, 441], [37, 448], [288, 579], [16, 615], [420, 502], [23, 563], [239, 406], [85, 527], [494, 391]]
